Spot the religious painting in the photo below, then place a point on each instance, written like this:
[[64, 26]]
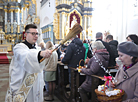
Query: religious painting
[[74, 18]]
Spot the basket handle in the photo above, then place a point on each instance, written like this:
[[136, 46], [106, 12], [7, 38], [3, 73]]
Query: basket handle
[[80, 61], [105, 85]]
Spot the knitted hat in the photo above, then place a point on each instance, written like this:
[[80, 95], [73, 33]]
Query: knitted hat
[[128, 48]]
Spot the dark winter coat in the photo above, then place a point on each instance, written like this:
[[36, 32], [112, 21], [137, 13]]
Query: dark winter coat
[[113, 45], [94, 68], [112, 56], [74, 53], [59, 53], [128, 81]]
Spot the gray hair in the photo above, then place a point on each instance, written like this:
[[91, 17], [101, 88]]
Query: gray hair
[[98, 45], [98, 34]]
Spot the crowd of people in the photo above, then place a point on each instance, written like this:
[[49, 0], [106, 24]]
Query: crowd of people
[[28, 72]]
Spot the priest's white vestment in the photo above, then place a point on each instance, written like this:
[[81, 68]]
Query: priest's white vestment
[[25, 61]]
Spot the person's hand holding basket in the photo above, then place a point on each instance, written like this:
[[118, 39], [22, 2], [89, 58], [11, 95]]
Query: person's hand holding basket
[[80, 67], [107, 92]]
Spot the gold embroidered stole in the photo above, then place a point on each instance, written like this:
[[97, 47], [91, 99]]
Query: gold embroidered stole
[[23, 91]]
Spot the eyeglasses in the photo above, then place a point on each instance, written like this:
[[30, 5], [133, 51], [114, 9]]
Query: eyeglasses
[[34, 34]]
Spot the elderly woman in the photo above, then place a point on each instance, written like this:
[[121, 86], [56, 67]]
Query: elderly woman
[[127, 75], [132, 38], [94, 68]]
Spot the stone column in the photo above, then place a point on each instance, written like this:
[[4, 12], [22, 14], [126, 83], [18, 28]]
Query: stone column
[[5, 20], [91, 26], [11, 16], [66, 1], [88, 21], [66, 25], [5, 14], [85, 22], [21, 15], [60, 2], [60, 26], [63, 24], [91, 20], [24, 14], [56, 2], [11, 20], [18, 21], [18, 16]]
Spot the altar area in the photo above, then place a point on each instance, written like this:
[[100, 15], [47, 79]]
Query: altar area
[[14, 16], [5, 48]]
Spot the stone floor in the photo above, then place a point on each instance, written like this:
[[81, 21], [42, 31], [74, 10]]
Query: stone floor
[[4, 80], [4, 83]]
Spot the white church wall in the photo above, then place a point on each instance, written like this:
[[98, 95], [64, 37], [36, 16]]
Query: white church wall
[[125, 20], [132, 17], [122, 20], [119, 17], [38, 7], [133, 27], [38, 11], [46, 13]]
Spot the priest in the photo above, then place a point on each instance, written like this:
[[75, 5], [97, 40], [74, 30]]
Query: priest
[[26, 70]]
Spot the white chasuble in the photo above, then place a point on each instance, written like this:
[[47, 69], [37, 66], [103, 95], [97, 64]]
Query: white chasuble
[[25, 61]]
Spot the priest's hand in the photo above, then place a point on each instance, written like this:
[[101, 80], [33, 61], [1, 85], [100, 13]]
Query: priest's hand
[[46, 53]]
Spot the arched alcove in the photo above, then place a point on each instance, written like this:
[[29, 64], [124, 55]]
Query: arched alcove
[[46, 21]]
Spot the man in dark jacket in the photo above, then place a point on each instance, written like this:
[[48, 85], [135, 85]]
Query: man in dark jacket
[[113, 44], [99, 37], [74, 53]]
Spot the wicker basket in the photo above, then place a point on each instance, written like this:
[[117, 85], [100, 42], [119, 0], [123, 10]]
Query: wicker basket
[[102, 97], [80, 67]]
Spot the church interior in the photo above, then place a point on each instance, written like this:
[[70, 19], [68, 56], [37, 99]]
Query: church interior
[[54, 19]]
